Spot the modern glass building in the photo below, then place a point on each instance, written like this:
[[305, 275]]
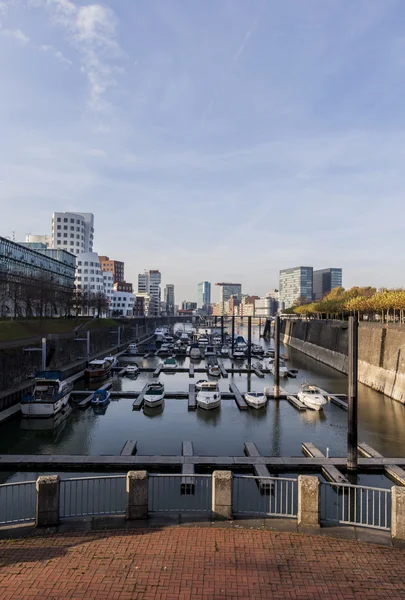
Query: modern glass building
[[229, 289], [203, 295], [324, 280], [169, 298], [295, 284]]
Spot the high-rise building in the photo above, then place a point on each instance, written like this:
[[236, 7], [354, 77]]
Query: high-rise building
[[186, 305], [324, 280], [295, 286], [169, 299], [149, 283], [116, 267], [73, 232], [204, 296], [229, 289], [39, 239], [266, 306]]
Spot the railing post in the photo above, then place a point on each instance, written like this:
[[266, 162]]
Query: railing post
[[398, 513], [308, 502], [222, 494], [137, 495], [48, 493]]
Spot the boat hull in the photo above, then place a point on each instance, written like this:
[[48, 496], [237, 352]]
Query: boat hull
[[209, 405], [307, 401], [259, 402], [152, 401], [44, 409]]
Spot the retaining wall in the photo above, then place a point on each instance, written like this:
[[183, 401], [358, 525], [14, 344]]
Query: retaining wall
[[381, 350]]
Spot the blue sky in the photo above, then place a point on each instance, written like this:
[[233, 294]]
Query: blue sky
[[218, 140]]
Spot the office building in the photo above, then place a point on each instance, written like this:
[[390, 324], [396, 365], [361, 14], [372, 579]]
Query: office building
[[169, 299], [39, 239], [89, 276], [186, 305], [295, 286], [266, 306], [123, 304], [116, 267], [204, 296], [149, 283], [123, 286], [141, 304], [325, 280], [73, 232], [229, 289]]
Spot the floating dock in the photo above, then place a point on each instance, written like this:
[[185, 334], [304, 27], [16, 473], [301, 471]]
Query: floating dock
[[129, 448], [192, 403], [158, 370], [137, 403], [393, 471], [239, 399], [293, 400], [260, 470], [330, 472], [224, 372], [187, 469], [191, 371]]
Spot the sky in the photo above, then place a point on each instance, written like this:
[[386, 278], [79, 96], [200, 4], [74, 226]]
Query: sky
[[221, 140]]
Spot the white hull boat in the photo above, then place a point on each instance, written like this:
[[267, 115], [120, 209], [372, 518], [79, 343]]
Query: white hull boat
[[132, 370], [209, 396], [49, 397], [170, 363], [214, 371], [132, 349], [310, 396], [154, 394], [199, 383], [255, 399]]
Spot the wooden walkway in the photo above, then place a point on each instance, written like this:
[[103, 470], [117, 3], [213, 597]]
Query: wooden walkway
[[239, 399], [293, 400], [129, 448], [187, 469], [260, 470], [192, 403], [137, 403], [330, 472], [393, 471]]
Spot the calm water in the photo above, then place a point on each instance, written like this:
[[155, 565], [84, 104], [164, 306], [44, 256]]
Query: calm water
[[277, 430]]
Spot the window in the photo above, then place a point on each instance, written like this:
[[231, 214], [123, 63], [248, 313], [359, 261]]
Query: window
[[78, 221], [58, 219], [85, 270], [65, 235], [65, 220], [78, 229], [79, 270], [91, 278], [85, 278], [72, 220], [58, 226], [92, 287], [86, 264], [79, 262], [72, 235], [77, 243], [91, 271], [79, 285], [59, 235]]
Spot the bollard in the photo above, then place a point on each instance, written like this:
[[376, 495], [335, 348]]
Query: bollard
[[308, 502], [47, 509], [222, 494], [137, 495]]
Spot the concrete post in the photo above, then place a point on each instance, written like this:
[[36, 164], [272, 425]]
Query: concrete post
[[398, 513], [137, 495], [47, 510], [308, 502], [222, 494]]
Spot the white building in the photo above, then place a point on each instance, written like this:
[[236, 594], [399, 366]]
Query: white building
[[266, 306], [39, 239], [89, 276], [73, 231], [149, 283], [108, 282], [123, 304]]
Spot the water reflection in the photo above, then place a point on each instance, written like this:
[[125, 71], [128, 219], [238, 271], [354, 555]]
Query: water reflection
[[313, 417], [209, 417], [48, 423], [153, 411]]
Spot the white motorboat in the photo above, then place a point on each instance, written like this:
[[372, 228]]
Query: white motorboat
[[283, 371], [269, 354], [50, 395], [209, 396], [255, 399], [97, 369], [257, 365], [224, 350], [165, 350], [132, 370], [217, 340], [203, 340], [195, 352], [199, 383], [238, 352], [311, 396], [154, 395], [214, 371], [170, 363], [184, 338], [132, 348], [257, 349], [210, 351], [112, 359]]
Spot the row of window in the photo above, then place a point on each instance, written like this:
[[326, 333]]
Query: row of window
[[66, 220], [87, 263], [72, 228]]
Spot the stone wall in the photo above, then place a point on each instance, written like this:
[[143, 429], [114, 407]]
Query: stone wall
[[381, 350]]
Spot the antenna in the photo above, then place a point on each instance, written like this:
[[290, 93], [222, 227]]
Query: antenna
[[13, 236]]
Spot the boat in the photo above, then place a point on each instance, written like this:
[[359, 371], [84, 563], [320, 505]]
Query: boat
[[283, 371], [132, 348], [164, 350], [238, 352], [199, 383], [214, 371], [255, 399], [269, 353], [97, 369], [203, 340], [132, 370], [100, 398], [154, 395], [217, 340], [224, 350], [210, 351], [195, 352], [112, 359], [51, 393], [257, 365], [310, 396], [257, 349], [184, 338], [170, 363], [209, 396]]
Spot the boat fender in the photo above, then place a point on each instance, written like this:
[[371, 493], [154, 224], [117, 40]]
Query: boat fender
[[215, 396]]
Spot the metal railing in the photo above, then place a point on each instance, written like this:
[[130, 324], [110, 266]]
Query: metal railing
[[93, 496], [180, 493], [265, 496], [17, 502], [356, 505]]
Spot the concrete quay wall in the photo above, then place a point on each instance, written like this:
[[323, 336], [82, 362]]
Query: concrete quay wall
[[381, 350]]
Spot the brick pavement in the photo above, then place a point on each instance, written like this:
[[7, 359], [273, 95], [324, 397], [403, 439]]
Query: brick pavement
[[187, 563]]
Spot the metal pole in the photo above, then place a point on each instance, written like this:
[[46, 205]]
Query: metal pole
[[88, 345], [233, 333], [215, 322], [222, 329], [277, 357], [43, 361], [260, 327], [352, 395], [249, 341], [119, 336]]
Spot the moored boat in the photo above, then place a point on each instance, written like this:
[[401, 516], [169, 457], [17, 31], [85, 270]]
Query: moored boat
[[210, 351], [100, 398], [199, 383], [311, 396], [214, 371], [209, 396], [132, 370], [195, 352], [50, 395], [97, 369], [170, 363], [283, 371], [255, 399], [132, 348], [154, 395], [238, 352], [224, 350]]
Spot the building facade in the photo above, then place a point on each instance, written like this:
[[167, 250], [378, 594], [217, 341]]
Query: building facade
[[39, 239], [229, 289], [325, 280], [123, 304], [73, 232], [123, 286], [149, 283], [141, 304], [186, 305], [204, 296], [295, 286], [116, 267], [169, 299], [266, 306]]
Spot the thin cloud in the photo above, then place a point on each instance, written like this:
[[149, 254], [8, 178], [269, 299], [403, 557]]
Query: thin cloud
[[15, 34], [57, 54]]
